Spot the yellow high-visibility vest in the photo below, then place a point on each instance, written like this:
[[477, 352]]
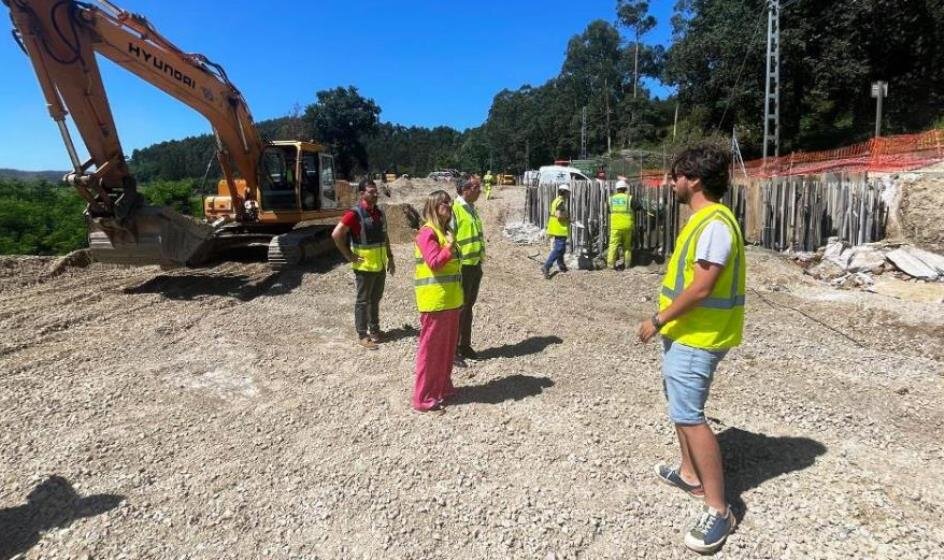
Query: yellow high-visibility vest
[[371, 244], [557, 227], [621, 216], [470, 235], [437, 290], [718, 321]]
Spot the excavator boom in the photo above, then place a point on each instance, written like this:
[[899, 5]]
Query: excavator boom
[[61, 38]]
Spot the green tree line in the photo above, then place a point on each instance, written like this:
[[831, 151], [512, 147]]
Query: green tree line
[[42, 218], [831, 51]]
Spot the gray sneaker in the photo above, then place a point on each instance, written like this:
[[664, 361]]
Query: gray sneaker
[[710, 531], [672, 477]]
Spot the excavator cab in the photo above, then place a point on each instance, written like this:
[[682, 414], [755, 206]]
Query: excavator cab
[[296, 182]]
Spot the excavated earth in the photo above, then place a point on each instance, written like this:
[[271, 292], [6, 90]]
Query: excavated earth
[[225, 412]]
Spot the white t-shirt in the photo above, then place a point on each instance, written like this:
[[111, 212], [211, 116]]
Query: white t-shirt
[[714, 243]]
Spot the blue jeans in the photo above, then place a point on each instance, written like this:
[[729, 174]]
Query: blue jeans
[[686, 378], [557, 253]]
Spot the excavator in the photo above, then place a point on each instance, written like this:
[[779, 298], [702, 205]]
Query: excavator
[[270, 193]]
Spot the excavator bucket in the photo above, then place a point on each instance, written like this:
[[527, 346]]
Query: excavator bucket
[[152, 235]]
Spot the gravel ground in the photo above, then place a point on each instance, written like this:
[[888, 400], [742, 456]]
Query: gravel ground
[[226, 413]]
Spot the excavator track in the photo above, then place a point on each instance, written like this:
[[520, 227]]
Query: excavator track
[[297, 246]]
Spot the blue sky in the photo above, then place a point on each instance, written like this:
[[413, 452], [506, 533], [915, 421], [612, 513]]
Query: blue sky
[[425, 62]]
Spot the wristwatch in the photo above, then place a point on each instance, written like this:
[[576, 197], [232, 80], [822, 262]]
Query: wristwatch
[[655, 321]]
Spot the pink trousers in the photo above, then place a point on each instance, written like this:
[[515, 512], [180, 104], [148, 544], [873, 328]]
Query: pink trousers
[[439, 333]]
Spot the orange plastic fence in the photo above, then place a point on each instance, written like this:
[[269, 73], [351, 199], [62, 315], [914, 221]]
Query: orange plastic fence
[[886, 154]]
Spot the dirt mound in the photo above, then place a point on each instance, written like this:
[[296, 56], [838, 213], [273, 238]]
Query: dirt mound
[[399, 224], [919, 212]]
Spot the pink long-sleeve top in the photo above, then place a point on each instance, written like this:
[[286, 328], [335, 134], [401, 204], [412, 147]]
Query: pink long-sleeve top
[[435, 255]]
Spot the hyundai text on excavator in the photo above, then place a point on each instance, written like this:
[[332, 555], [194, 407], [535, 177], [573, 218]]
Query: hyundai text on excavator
[[267, 190]]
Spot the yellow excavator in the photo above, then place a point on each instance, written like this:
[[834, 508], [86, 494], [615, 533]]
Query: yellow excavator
[[268, 188]]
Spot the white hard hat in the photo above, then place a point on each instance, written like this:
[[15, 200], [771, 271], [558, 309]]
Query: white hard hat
[[621, 184], [563, 187]]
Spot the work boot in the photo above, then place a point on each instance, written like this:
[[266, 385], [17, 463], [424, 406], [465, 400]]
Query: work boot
[[545, 272], [367, 343], [375, 336]]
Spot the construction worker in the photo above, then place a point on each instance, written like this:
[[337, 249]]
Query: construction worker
[[361, 236], [438, 287], [700, 317], [621, 226], [558, 229], [470, 240], [488, 181]]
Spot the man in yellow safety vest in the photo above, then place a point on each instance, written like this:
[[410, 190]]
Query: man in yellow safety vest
[[621, 226], [488, 180], [700, 317], [470, 239], [558, 230], [361, 236]]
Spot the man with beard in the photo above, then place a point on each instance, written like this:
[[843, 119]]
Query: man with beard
[[700, 317]]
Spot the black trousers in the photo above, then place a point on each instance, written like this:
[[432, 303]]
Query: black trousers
[[471, 279], [370, 288]]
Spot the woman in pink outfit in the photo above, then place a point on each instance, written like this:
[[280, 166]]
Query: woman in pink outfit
[[438, 286]]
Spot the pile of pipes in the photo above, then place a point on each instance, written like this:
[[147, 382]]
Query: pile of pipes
[[847, 266]]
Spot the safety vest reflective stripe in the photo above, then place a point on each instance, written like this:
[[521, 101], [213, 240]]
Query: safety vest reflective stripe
[[437, 290], [374, 254], [717, 322], [557, 227], [621, 217], [438, 280], [713, 303], [469, 235]]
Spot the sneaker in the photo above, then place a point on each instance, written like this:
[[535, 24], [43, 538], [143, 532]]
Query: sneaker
[[458, 361], [375, 336], [367, 343], [672, 477], [710, 530]]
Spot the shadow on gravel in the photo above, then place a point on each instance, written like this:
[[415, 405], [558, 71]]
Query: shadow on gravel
[[191, 285], [751, 459], [52, 504], [511, 388], [531, 345], [406, 331]]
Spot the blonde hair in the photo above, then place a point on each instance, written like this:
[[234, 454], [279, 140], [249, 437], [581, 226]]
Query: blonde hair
[[433, 201]]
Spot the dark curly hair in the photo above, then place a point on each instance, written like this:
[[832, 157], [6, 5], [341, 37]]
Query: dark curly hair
[[364, 183], [708, 163]]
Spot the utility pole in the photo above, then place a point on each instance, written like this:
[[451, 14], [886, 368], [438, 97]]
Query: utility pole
[[772, 80], [879, 92], [583, 133]]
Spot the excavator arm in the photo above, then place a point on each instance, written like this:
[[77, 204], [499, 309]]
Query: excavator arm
[[61, 38]]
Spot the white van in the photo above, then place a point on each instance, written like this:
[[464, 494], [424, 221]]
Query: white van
[[560, 174]]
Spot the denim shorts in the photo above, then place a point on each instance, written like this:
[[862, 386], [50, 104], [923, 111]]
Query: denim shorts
[[686, 378]]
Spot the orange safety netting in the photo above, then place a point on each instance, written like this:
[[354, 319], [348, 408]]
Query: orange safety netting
[[885, 154]]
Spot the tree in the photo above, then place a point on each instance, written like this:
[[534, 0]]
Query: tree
[[341, 119], [634, 14]]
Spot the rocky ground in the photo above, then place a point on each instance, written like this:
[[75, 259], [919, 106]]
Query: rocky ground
[[226, 413]]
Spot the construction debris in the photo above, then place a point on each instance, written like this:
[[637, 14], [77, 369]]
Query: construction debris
[[847, 266], [523, 233]]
